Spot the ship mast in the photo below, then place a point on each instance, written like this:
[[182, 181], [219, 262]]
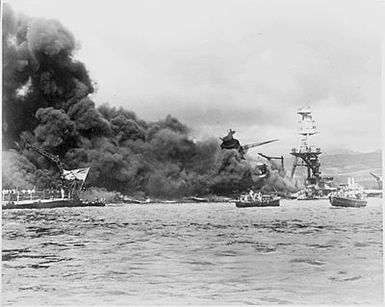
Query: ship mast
[[306, 154]]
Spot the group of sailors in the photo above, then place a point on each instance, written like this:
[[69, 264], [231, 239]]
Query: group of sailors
[[16, 194], [350, 193], [350, 190], [252, 196], [15, 191]]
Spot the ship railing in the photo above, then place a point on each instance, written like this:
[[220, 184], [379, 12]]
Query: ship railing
[[19, 195]]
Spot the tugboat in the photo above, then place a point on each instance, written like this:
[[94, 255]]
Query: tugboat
[[257, 200], [348, 195]]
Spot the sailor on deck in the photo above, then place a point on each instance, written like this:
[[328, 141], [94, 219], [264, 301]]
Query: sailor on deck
[[259, 196], [252, 194]]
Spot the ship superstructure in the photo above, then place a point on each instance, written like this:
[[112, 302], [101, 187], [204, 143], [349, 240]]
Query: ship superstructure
[[229, 142], [306, 155]]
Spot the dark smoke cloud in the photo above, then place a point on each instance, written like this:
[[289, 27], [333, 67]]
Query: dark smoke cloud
[[55, 127], [50, 38], [46, 103]]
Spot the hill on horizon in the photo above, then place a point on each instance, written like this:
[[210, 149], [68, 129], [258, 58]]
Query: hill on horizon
[[341, 166]]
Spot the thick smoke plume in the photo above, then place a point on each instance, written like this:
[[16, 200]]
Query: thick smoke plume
[[46, 103]]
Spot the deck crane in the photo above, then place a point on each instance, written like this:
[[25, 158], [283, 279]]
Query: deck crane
[[269, 158], [53, 158], [71, 186], [378, 179]]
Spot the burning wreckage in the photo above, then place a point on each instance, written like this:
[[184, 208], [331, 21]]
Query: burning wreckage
[[229, 142], [47, 102]]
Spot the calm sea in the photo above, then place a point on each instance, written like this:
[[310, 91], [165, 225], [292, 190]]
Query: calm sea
[[303, 252]]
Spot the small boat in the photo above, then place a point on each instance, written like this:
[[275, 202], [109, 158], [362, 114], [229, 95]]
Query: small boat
[[197, 199], [350, 195], [167, 201], [72, 180], [313, 192], [306, 197], [338, 201], [50, 203], [128, 200], [373, 193], [258, 200]]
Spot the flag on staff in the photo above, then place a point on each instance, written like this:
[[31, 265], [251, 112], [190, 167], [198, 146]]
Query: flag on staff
[[79, 174]]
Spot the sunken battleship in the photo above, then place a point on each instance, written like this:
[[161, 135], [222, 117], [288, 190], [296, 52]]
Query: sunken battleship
[[307, 155]]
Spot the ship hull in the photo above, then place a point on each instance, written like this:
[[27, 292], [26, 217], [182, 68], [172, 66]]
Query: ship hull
[[48, 204], [373, 193], [265, 203], [337, 201]]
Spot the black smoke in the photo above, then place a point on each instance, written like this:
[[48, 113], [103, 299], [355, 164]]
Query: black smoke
[[46, 102]]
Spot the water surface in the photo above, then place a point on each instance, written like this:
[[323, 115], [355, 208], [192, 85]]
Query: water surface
[[303, 252]]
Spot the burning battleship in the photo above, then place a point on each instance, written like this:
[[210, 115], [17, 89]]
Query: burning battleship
[[229, 142], [268, 176], [47, 101]]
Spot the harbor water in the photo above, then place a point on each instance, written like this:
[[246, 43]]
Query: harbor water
[[303, 252]]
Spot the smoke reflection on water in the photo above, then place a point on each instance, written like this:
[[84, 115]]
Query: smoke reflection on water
[[299, 253]]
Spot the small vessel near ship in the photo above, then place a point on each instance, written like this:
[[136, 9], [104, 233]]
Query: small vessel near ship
[[129, 200], [257, 200], [321, 190], [347, 201], [72, 181], [51, 203], [348, 195]]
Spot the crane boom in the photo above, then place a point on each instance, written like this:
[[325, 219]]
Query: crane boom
[[73, 185], [53, 158], [378, 178]]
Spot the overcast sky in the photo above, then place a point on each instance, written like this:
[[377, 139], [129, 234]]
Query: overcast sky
[[245, 65]]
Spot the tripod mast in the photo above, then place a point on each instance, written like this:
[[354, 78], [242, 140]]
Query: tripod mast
[[307, 155]]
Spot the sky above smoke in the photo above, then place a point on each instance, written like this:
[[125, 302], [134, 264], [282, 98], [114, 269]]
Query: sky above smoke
[[245, 65]]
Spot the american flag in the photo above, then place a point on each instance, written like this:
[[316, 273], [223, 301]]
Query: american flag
[[79, 174]]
